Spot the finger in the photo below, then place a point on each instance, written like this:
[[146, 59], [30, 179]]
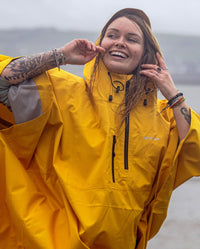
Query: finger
[[93, 47], [151, 67], [100, 49], [161, 61], [86, 44], [89, 46], [152, 73]]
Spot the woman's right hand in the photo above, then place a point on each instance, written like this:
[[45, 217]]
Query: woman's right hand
[[80, 51]]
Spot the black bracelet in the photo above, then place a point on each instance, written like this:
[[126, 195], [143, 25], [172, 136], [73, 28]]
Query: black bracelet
[[173, 98]]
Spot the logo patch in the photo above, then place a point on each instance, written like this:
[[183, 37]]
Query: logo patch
[[151, 138]]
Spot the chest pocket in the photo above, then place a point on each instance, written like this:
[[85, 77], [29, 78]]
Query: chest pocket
[[136, 165]]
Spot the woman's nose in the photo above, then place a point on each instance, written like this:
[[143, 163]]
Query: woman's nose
[[120, 43]]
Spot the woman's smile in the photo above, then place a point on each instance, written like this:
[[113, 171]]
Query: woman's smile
[[118, 54]]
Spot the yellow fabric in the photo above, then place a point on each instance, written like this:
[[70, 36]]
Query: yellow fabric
[[56, 183], [5, 60], [5, 114]]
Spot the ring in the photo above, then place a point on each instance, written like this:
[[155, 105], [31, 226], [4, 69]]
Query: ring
[[156, 74], [159, 69]]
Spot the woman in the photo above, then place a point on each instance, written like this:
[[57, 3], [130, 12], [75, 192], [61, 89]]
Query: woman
[[92, 162]]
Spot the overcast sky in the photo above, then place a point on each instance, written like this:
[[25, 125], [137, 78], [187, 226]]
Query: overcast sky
[[174, 16]]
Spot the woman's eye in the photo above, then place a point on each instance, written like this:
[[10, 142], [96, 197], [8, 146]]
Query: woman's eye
[[111, 36], [131, 40]]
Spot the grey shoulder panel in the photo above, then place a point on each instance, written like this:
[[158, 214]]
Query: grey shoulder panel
[[4, 88], [25, 101]]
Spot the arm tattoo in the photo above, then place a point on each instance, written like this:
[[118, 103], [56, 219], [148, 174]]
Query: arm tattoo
[[29, 66], [186, 115]]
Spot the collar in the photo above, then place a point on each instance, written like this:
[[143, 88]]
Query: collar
[[106, 83]]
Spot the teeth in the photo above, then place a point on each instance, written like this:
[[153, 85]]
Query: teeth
[[114, 53]]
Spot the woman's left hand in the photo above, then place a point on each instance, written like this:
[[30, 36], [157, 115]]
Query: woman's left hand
[[161, 77]]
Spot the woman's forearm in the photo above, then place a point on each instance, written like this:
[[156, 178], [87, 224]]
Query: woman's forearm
[[182, 116], [28, 67]]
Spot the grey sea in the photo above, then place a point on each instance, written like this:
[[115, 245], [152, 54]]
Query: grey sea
[[181, 229]]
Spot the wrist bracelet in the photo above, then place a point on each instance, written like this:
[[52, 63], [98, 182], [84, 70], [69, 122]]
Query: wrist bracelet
[[174, 101], [56, 58], [60, 60], [170, 102], [62, 57], [178, 102]]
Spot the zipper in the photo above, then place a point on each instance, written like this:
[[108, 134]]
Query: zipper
[[126, 139], [126, 142], [113, 158]]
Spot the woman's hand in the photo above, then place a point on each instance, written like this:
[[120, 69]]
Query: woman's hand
[[167, 87], [161, 77], [80, 51]]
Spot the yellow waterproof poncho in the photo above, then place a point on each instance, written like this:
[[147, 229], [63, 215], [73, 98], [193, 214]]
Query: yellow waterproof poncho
[[71, 180]]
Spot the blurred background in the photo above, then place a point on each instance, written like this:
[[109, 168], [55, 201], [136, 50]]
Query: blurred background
[[33, 26]]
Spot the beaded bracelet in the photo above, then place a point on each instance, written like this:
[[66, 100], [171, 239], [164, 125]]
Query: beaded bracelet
[[56, 58], [61, 60], [178, 102], [62, 57], [173, 99]]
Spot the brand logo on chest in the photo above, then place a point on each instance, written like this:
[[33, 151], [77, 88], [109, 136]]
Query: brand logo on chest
[[151, 138]]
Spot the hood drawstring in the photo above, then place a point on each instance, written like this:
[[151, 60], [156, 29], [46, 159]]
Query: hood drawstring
[[118, 85], [145, 100], [147, 91]]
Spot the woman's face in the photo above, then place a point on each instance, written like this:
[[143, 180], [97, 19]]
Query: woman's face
[[123, 42]]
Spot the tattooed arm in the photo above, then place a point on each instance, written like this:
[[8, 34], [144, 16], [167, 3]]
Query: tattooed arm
[[183, 119], [27, 67], [77, 52]]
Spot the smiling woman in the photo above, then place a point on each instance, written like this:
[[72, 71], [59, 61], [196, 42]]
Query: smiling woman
[[91, 162]]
